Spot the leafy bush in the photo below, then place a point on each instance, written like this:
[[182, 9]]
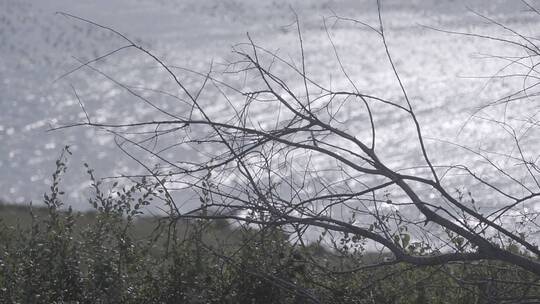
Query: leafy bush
[[105, 256]]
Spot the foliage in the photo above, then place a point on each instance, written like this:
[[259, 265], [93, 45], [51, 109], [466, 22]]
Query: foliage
[[60, 256]]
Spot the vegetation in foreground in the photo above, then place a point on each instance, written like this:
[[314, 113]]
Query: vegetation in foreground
[[115, 254]]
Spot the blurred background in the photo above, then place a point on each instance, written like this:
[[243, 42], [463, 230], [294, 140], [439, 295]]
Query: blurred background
[[38, 46]]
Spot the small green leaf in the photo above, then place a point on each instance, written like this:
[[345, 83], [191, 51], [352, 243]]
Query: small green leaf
[[405, 239]]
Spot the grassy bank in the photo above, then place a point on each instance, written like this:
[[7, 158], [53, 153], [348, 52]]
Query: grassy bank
[[50, 255]]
